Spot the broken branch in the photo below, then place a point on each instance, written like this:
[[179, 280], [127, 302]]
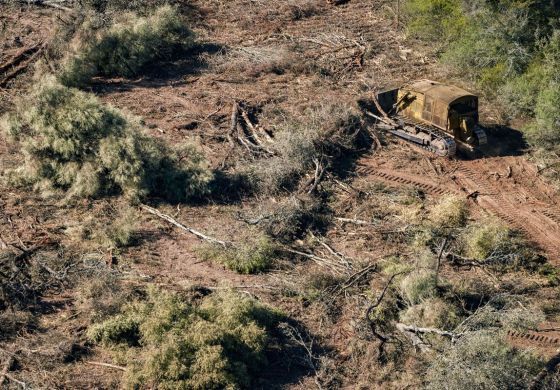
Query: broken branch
[[172, 221]]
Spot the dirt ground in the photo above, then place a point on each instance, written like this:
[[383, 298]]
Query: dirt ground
[[278, 55]]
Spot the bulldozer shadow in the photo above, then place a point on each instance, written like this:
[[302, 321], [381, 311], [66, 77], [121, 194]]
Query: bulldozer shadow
[[503, 141]]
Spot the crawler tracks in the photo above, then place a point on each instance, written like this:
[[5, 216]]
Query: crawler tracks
[[404, 179], [515, 198], [539, 221]]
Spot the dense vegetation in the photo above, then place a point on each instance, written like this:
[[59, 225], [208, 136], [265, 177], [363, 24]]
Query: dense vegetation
[[394, 288], [169, 343], [511, 50], [73, 142]]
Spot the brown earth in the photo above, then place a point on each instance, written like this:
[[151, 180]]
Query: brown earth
[[266, 55]]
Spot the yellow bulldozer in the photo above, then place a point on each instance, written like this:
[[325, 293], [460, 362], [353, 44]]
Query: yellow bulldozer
[[433, 115]]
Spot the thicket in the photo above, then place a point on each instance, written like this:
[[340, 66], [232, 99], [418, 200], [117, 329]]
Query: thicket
[[511, 50], [255, 255], [325, 134], [73, 143], [125, 45], [168, 342]]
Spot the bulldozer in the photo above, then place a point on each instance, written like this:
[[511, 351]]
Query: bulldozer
[[432, 115]]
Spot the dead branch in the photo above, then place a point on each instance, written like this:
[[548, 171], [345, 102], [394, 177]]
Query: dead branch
[[355, 221], [333, 266], [171, 220], [416, 340], [250, 126], [336, 254], [549, 368], [22, 66], [18, 57], [319, 173], [373, 326], [6, 368], [48, 3], [440, 254], [355, 278], [415, 329], [548, 166], [296, 336], [233, 124], [107, 365], [21, 383]]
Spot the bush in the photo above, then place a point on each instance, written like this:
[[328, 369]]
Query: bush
[[294, 217], [248, 258], [431, 313], [219, 344], [74, 143], [418, 286], [126, 47], [486, 238], [482, 360], [435, 19], [328, 133], [449, 212]]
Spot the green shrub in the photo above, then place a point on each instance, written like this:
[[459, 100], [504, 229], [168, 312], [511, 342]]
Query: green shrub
[[247, 258], [488, 237], [435, 19], [219, 344], [449, 212], [431, 313], [418, 286], [126, 47], [328, 133], [482, 360], [74, 143]]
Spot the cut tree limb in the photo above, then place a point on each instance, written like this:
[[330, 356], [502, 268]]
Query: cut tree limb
[[173, 221], [107, 365], [21, 67], [548, 369], [5, 369], [416, 340]]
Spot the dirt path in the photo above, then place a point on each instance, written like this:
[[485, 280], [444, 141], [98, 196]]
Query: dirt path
[[508, 187]]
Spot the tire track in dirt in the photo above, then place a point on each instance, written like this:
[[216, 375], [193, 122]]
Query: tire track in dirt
[[520, 206], [403, 179], [534, 338], [539, 223]]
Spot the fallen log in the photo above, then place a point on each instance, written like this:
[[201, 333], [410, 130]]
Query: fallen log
[[107, 365], [21, 67], [18, 57], [173, 221]]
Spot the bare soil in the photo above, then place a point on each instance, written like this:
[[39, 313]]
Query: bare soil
[[268, 56]]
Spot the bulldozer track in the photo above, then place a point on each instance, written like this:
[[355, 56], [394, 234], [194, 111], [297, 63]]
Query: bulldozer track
[[534, 338], [539, 224], [394, 177]]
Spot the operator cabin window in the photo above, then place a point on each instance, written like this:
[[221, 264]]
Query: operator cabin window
[[427, 113]]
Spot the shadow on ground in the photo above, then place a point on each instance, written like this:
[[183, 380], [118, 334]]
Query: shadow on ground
[[190, 63]]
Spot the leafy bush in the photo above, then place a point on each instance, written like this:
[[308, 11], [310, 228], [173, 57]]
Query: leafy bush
[[248, 258], [488, 237], [173, 344], [482, 360], [294, 217], [431, 313], [74, 143], [126, 47], [328, 133], [418, 286], [449, 212], [435, 18]]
